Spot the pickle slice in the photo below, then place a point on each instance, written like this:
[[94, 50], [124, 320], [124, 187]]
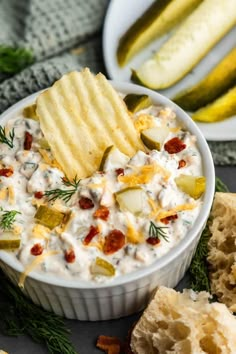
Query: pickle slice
[[135, 102], [131, 199], [30, 112], [193, 39], [222, 108], [154, 137], [113, 158], [216, 83], [43, 143], [49, 217], [192, 185], [9, 241], [102, 267], [159, 18]]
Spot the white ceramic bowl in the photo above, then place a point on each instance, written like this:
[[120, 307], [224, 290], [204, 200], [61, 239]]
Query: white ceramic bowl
[[129, 293]]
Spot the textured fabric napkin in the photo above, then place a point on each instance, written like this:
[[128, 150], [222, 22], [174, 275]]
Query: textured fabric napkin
[[64, 35]]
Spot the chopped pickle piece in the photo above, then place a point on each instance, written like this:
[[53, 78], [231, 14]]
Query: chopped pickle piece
[[30, 112], [9, 241], [49, 217], [159, 18], [102, 267], [113, 158], [43, 143], [154, 137], [131, 199], [216, 83], [192, 185], [222, 108], [135, 102]]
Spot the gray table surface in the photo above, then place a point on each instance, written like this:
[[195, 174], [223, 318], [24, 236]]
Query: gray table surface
[[84, 334]]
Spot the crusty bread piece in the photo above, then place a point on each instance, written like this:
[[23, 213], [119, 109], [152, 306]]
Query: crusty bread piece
[[222, 249], [184, 323], [2, 352]]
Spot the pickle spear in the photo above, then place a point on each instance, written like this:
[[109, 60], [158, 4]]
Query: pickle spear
[[222, 108], [211, 20], [192, 185], [159, 18], [215, 84]]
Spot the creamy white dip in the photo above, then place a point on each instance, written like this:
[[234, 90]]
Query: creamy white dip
[[34, 173]]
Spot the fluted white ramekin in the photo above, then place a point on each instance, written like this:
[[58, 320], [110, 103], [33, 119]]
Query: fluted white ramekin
[[128, 293]]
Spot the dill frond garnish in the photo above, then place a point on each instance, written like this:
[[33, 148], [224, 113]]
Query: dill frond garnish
[[13, 60], [7, 140], [158, 231], [19, 316], [199, 280], [64, 194], [7, 218]]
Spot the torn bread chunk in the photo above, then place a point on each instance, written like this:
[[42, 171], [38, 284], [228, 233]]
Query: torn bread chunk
[[184, 323], [222, 249]]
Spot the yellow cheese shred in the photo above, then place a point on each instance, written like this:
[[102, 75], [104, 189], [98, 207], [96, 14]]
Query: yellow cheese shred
[[133, 236], [51, 162], [34, 264], [144, 174], [11, 195], [181, 207]]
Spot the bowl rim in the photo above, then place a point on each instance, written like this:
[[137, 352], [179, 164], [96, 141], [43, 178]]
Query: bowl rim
[[182, 245]]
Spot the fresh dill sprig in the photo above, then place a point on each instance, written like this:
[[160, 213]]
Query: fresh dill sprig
[[19, 316], [158, 231], [64, 194], [198, 270], [13, 60], [7, 140], [7, 218]]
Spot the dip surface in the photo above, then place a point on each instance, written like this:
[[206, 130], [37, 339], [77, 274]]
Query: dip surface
[[97, 238]]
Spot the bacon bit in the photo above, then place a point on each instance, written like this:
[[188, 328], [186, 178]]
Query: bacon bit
[[111, 345], [153, 241], [102, 213], [38, 195], [70, 256], [93, 231], [28, 141], [182, 163], [175, 145], [6, 172], [167, 219], [120, 171], [86, 203], [37, 249], [114, 241]]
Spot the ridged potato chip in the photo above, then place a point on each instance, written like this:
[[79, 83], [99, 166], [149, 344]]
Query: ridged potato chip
[[80, 116]]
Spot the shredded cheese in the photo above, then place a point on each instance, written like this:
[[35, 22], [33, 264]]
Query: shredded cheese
[[11, 195], [33, 265], [181, 207], [144, 174], [133, 235]]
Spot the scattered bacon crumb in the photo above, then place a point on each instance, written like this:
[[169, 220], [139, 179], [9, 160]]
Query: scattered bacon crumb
[[6, 172], [38, 195], [120, 171], [111, 345], [70, 256], [114, 241], [93, 231], [175, 145], [28, 141], [169, 218], [102, 213], [153, 241], [37, 249], [182, 163], [86, 203]]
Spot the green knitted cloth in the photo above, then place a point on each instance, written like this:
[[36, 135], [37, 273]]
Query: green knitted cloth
[[52, 29]]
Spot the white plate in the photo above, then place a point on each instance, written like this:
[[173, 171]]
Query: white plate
[[120, 15]]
